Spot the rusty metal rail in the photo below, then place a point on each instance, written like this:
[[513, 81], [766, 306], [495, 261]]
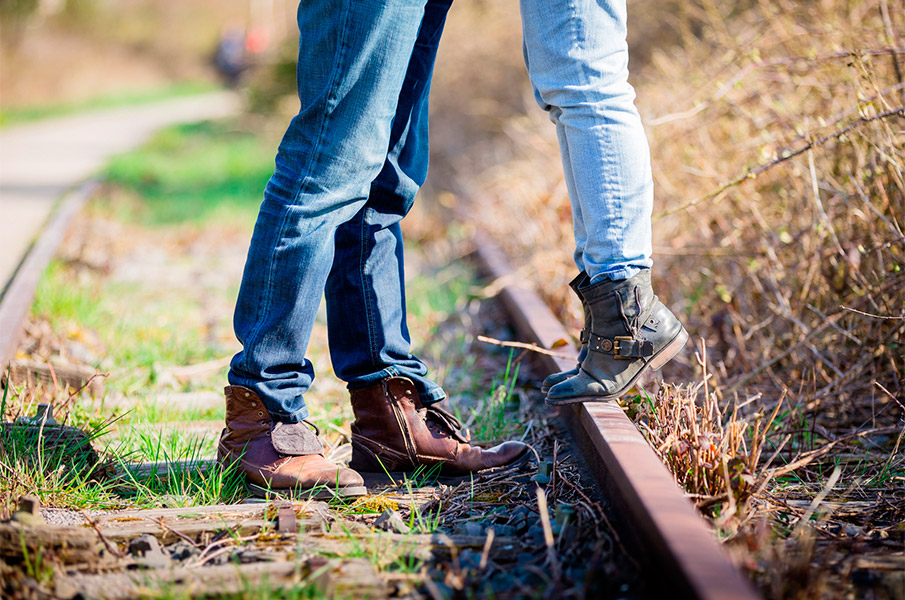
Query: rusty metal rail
[[659, 525], [19, 291]]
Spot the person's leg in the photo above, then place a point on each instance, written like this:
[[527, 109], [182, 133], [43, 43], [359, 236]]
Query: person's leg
[[352, 63], [397, 426], [577, 59], [365, 294]]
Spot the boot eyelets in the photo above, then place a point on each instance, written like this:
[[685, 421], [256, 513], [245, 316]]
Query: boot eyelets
[[260, 413], [254, 404]]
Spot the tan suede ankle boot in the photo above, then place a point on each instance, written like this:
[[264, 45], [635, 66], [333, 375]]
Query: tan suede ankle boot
[[279, 458]]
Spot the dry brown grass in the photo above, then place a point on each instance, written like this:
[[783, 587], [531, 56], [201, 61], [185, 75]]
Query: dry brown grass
[[778, 143]]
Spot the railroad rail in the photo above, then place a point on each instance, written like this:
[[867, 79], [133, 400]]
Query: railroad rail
[[17, 294], [657, 524]]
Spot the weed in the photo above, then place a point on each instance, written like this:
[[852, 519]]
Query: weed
[[36, 566], [491, 421], [55, 463]]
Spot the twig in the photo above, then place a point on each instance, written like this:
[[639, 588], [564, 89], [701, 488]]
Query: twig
[[178, 534], [112, 548], [487, 544], [548, 534], [830, 484], [786, 155], [873, 316], [523, 345], [781, 62], [890, 394], [809, 457]]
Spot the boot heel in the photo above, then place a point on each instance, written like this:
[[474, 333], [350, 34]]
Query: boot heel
[[670, 351]]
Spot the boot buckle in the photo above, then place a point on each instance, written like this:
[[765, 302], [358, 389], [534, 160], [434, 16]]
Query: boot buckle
[[617, 350]]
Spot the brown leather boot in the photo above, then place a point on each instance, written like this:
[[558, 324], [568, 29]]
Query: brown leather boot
[[394, 431], [279, 458]]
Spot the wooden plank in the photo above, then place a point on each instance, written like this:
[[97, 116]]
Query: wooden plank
[[31, 373], [332, 578], [659, 524], [69, 544], [171, 524]]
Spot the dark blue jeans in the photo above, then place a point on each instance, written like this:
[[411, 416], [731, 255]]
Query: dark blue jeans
[[347, 172]]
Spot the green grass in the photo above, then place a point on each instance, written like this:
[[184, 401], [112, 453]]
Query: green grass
[[440, 292], [58, 473], [25, 114], [139, 328], [492, 418], [201, 173]]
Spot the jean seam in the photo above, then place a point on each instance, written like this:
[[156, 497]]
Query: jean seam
[[267, 300], [613, 198], [330, 102], [364, 249]]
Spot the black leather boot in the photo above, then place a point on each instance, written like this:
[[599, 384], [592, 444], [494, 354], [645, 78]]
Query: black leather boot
[[551, 380], [631, 331]]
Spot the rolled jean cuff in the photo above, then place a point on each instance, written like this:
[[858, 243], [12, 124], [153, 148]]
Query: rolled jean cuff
[[620, 274], [428, 391]]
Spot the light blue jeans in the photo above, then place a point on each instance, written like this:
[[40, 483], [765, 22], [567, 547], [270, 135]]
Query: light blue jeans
[[577, 59], [347, 171]]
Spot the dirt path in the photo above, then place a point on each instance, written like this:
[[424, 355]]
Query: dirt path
[[40, 162]]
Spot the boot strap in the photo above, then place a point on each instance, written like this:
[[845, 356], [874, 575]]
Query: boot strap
[[296, 439], [584, 336], [622, 347]]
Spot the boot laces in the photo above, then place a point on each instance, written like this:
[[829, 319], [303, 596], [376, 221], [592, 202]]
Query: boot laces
[[434, 415]]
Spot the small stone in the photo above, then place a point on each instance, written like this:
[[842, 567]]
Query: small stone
[[389, 520], [182, 551], [251, 556], [499, 515], [544, 473], [519, 513], [146, 551], [26, 518], [575, 574], [501, 583], [469, 559], [524, 558], [852, 530], [504, 530], [143, 544], [461, 528], [30, 504], [535, 535], [45, 415], [473, 529]]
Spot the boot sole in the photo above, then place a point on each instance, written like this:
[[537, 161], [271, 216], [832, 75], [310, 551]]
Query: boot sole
[[665, 355], [394, 477], [316, 493]]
